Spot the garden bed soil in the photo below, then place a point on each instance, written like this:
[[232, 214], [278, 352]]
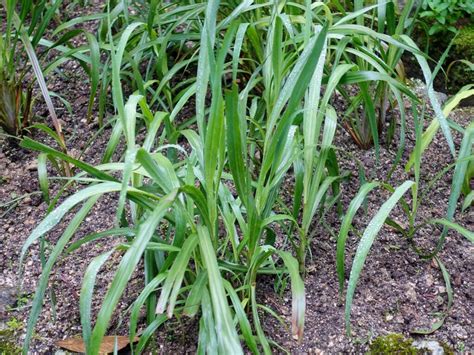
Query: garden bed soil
[[397, 292]]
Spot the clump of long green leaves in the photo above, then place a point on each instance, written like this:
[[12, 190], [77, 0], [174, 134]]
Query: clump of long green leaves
[[16, 101], [22, 39], [377, 54], [188, 267], [24, 34]]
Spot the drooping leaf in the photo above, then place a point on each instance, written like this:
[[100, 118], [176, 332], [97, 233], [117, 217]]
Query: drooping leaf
[[345, 226], [365, 243]]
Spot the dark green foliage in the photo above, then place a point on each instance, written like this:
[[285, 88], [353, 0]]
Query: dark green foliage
[[445, 15]]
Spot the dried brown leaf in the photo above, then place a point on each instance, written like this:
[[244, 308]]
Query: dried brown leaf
[[76, 344]]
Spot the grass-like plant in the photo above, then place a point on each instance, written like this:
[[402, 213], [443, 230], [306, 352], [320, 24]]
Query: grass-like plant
[[372, 53], [189, 266], [16, 101], [20, 44]]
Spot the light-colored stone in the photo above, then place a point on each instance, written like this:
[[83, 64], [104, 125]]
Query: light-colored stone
[[32, 166], [460, 332], [411, 292], [429, 280], [431, 345]]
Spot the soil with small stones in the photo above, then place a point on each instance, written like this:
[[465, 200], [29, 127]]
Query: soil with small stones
[[397, 292]]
